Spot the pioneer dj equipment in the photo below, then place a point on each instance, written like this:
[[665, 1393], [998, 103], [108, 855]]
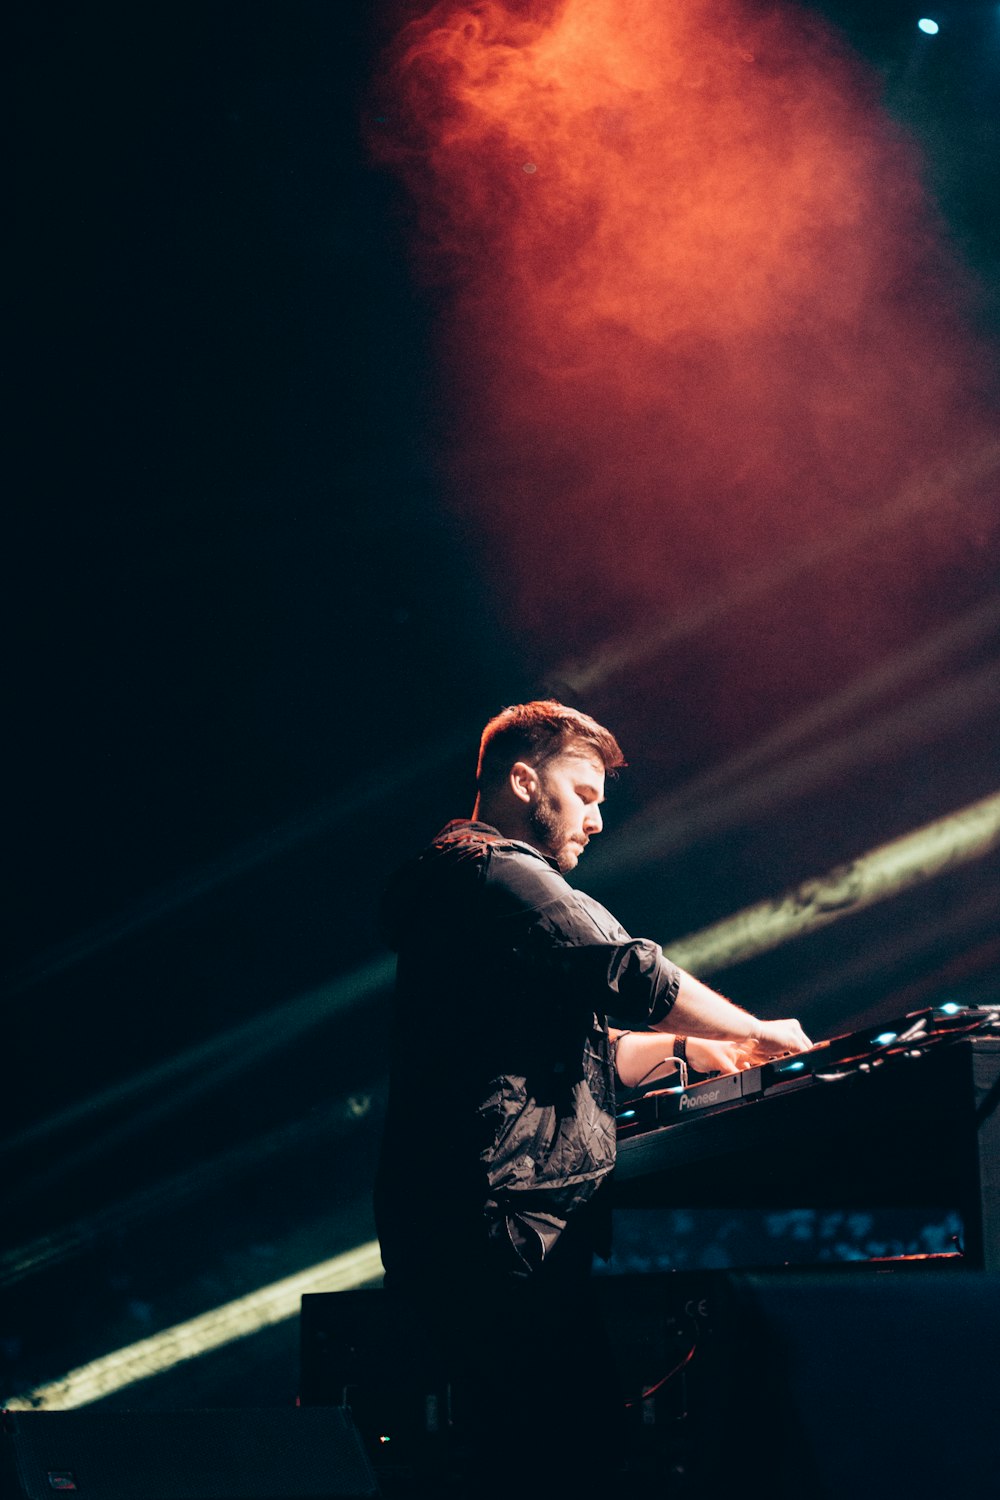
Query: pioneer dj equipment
[[899, 1115]]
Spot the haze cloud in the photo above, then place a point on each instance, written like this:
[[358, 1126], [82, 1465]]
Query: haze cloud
[[700, 312]]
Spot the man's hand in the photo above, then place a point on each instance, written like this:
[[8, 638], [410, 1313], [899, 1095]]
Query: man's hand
[[771, 1039], [776, 1039], [701, 1012], [715, 1057]]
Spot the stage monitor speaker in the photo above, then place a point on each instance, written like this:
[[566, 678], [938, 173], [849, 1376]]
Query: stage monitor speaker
[[856, 1382], [871, 1386], [281, 1453]]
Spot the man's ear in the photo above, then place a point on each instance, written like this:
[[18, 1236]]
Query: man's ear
[[523, 781]]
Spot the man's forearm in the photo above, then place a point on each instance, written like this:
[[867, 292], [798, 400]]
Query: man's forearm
[[700, 1011]]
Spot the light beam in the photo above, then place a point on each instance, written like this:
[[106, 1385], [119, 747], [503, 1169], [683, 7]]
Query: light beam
[[917, 857], [211, 1330]]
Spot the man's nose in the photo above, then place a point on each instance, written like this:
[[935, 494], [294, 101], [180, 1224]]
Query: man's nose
[[593, 822]]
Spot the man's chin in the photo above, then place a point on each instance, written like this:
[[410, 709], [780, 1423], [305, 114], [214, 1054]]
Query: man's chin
[[568, 858]]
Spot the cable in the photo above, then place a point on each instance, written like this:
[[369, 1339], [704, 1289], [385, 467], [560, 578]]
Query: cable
[[659, 1384], [680, 1065]]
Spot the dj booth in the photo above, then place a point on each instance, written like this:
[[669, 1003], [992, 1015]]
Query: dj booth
[[868, 1379], [903, 1115]]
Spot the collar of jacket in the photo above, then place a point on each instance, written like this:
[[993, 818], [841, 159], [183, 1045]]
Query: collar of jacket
[[466, 831]]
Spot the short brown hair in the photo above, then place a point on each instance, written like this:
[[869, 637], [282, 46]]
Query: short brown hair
[[537, 732]]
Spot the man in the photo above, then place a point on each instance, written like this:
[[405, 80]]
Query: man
[[501, 1115], [500, 1133]]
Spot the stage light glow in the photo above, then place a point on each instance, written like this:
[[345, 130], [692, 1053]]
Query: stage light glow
[[211, 1330], [884, 1038], [709, 328], [928, 27]]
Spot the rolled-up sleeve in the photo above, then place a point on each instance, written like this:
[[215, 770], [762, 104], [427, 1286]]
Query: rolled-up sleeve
[[570, 938], [629, 981]]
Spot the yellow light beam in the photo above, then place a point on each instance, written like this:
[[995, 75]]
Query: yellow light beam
[[211, 1330], [916, 857]]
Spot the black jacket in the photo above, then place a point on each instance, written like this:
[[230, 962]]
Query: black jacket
[[500, 1124]]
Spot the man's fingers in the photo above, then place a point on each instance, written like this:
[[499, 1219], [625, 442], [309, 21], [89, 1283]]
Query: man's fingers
[[775, 1038]]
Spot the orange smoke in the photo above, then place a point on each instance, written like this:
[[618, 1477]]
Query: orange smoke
[[700, 312]]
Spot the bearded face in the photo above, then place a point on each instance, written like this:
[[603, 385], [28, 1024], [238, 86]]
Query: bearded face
[[565, 811]]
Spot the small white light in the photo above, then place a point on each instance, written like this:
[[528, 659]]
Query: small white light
[[626, 1114], [883, 1039], [928, 27], [949, 1008]]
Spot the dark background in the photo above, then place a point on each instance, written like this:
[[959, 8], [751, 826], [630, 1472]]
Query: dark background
[[249, 652]]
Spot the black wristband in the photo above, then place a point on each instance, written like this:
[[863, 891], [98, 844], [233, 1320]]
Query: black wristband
[[694, 1075]]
